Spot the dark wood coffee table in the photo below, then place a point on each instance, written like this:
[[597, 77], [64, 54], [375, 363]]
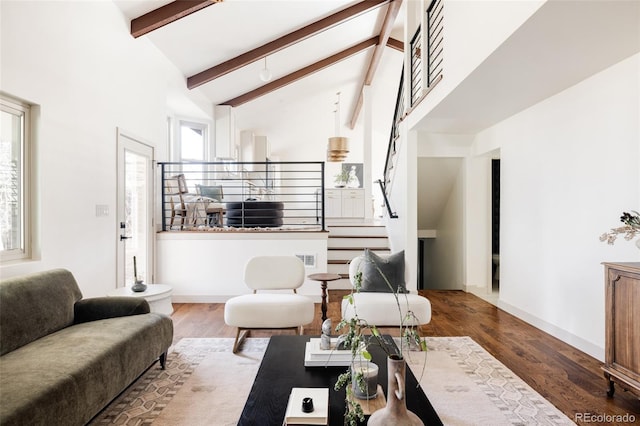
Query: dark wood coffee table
[[282, 368]]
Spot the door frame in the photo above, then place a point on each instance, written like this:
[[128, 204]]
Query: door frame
[[126, 140]]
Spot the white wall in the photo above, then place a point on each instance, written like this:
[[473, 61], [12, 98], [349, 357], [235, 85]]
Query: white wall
[[209, 267], [472, 31], [78, 62], [477, 224], [569, 168], [403, 231], [448, 247]]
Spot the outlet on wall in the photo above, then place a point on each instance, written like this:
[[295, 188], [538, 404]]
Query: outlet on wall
[[102, 210]]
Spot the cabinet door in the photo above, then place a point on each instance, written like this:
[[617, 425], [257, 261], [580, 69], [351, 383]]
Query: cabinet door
[[624, 327], [353, 203], [332, 203]]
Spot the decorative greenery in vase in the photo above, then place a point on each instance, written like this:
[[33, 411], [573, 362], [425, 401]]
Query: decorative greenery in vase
[[358, 341], [343, 178], [630, 229]]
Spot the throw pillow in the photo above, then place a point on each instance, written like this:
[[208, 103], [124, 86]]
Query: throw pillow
[[391, 266]]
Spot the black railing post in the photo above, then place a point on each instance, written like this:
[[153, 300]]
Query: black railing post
[[163, 196], [322, 204], [392, 214]]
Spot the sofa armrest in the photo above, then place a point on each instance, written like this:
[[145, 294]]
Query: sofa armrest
[[97, 308]]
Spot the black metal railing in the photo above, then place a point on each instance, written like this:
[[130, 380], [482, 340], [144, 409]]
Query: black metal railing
[[416, 67], [208, 196], [392, 148], [427, 62], [390, 212], [434, 39], [432, 59], [398, 114]]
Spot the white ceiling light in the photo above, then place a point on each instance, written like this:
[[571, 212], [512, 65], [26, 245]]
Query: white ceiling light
[[265, 74]]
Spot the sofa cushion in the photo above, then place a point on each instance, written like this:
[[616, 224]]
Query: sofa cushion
[[381, 309], [372, 268], [268, 310], [33, 306]]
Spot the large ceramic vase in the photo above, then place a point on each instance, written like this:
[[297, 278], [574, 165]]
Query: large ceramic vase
[[395, 413]]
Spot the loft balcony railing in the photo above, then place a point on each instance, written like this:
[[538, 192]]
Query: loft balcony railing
[[213, 196], [427, 63], [416, 67], [434, 41]]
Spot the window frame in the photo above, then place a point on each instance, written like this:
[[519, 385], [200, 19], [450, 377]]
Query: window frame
[[13, 105], [175, 129]]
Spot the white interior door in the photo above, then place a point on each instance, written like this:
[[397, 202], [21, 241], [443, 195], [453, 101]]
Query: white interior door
[[135, 210]]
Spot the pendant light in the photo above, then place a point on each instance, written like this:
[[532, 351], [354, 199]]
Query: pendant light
[[265, 74], [338, 146]]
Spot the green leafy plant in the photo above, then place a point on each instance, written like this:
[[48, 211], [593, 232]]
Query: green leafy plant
[[360, 335], [343, 178], [630, 229]]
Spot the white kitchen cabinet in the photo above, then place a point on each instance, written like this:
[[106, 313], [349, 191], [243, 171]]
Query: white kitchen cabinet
[[332, 203], [353, 203], [344, 202]]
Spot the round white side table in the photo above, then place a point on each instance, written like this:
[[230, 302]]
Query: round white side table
[[158, 296]]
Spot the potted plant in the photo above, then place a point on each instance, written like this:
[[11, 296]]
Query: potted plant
[[358, 337], [342, 179]]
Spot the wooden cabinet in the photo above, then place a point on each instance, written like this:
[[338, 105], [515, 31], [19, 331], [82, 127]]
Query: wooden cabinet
[[622, 327], [347, 202]]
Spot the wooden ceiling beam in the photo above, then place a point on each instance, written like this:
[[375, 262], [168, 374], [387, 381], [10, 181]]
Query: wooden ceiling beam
[[395, 44], [282, 42], [301, 73], [167, 14], [385, 32]]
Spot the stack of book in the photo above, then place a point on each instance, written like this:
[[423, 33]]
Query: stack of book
[[316, 357], [320, 414]]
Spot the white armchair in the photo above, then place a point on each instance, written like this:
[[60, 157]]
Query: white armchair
[[270, 310], [380, 308]]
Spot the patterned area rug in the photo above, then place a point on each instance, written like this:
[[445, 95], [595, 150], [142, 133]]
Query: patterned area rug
[[206, 384]]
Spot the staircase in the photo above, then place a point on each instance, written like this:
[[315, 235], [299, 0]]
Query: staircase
[[348, 240]]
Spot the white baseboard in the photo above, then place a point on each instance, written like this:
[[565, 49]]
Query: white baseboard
[[218, 299], [557, 332], [199, 299]]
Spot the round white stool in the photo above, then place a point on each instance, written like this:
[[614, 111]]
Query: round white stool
[[158, 296]]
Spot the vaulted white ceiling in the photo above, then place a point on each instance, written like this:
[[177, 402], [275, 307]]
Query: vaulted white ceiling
[[224, 30]]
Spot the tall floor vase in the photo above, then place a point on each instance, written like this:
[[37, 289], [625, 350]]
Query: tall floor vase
[[395, 413]]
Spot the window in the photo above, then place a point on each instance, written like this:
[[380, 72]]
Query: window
[[191, 144], [14, 180], [189, 140], [193, 141]]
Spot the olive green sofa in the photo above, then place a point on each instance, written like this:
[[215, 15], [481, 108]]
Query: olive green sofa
[[64, 358]]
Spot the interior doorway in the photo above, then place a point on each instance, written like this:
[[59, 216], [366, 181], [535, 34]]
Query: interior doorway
[[135, 210], [495, 225]]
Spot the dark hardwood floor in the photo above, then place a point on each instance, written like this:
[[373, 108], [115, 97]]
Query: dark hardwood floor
[[568, 378]]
